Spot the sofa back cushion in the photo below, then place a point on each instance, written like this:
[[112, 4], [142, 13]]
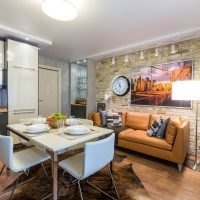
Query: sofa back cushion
[[137, 120], [171, 132]]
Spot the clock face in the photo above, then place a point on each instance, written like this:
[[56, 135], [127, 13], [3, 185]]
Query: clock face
[[121, 86]]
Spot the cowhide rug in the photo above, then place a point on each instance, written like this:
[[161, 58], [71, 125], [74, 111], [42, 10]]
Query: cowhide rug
[[128, 184]]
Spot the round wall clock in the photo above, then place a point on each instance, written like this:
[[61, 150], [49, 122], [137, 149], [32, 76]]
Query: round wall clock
[[121, 86]]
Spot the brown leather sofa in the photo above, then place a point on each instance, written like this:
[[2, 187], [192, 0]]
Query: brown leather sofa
[[134, 137]]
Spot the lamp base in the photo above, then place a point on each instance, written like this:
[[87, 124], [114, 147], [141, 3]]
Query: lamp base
[[192, 164]]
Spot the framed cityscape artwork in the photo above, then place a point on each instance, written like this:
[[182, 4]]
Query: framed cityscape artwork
[[152, 85]]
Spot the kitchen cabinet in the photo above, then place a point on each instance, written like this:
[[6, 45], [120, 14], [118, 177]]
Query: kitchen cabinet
[[22, 89], [22, 65], [22, 55]]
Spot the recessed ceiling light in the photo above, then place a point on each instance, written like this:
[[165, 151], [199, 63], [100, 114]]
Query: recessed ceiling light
[[62, 10], [84, 60]]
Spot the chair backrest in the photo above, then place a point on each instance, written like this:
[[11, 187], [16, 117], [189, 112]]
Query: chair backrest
[[6, 151], [97, 155]]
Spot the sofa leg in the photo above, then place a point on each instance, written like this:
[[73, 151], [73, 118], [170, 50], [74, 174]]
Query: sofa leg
[[180, 167]]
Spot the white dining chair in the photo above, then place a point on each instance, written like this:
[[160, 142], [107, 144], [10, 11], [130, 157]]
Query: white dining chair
[[96, 156], [19, 162]]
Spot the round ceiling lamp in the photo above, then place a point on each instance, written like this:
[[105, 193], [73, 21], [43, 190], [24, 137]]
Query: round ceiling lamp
[[61, 10]]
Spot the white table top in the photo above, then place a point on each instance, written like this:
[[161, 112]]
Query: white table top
[[54, 142]]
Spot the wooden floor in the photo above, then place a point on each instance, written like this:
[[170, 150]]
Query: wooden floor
[[161, 179]]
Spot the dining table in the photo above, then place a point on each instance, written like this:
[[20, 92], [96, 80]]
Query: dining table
[[54, 143]]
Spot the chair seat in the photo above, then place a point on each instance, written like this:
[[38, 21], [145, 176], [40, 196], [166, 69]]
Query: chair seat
[[73, 165], [25, 159]]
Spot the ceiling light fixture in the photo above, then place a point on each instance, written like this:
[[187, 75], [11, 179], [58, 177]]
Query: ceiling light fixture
[[141, 55], [62, 10], [113, 60], [157, 52], [126, 58], [173, 49]]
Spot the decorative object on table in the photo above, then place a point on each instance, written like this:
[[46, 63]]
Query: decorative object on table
[[152, 85], [56, 119], [189, 90], [121, 86], [128, 183]]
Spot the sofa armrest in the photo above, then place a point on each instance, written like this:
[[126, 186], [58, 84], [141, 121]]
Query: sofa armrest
[[181, 144]]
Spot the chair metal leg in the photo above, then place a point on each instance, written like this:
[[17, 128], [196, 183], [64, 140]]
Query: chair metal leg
[[113, 182], [15, 186], [79, 187], [45, 171], [2, 169]]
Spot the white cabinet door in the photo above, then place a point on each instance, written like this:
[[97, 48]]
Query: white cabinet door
[[22, 55], [22, 90], [1, 54]]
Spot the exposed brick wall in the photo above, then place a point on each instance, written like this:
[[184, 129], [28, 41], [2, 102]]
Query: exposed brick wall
[[106, 73]]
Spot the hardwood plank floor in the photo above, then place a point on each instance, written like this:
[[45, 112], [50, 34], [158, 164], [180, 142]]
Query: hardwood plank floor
[[160, 178]]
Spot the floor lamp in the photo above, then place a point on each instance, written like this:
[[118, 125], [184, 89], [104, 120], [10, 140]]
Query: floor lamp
[[189, 90]]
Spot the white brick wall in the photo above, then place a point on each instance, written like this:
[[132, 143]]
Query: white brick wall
[[106, 73]]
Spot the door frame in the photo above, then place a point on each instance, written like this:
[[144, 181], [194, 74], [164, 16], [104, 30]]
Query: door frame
[[59, 83]]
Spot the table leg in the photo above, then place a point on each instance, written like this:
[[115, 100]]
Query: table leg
[[55, 175], [54, 172]]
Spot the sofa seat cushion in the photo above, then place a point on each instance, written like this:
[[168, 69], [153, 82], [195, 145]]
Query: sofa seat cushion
[[141, 137]]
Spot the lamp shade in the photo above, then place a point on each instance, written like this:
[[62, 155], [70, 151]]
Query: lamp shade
[[186, 90]]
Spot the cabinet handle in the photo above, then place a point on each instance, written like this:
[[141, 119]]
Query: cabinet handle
[[25, 112], [24, 68], [40, 100], [26, 109]]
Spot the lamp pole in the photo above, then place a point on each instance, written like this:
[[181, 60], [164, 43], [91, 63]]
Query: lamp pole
[[196, 163]]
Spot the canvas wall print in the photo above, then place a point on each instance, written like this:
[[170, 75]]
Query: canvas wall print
[[152, 85]]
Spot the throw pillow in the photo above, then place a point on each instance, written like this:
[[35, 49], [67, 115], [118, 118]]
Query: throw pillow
[[153, 129], [161, 131], [103, 117], [170, 134], [114, 119], [97, 119]]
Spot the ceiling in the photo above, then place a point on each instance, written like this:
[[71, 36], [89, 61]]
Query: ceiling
[[103, 27]]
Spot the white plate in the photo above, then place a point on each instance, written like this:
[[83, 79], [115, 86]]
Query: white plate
[[77, 130], [37, 128]]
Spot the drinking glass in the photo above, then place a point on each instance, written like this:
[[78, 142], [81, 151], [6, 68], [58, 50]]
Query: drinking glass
[[61, 126], [71, 120]]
